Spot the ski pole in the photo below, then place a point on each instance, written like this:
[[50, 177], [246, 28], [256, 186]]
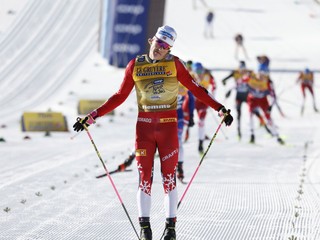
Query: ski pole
[[201, 160], [75, 135], [216, 120], [112, 183]]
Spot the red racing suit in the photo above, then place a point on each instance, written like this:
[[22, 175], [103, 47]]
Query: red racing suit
[[306, 81], [259, 89], [156, 85]]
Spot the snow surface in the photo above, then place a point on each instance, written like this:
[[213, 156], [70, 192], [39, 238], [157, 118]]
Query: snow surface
[[48, 188]]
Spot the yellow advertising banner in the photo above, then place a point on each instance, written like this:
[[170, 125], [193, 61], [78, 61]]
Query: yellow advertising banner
[[85, 106], [44, 122]]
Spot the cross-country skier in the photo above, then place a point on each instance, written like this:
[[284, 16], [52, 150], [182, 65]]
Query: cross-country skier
[[156, 78], [241, 86], [306, 82], [206, 80], [259, 89]]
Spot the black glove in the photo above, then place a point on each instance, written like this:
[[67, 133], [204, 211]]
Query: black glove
[[81, 122], [228, 119], [191, 122]]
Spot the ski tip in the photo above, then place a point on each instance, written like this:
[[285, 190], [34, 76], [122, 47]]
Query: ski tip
[[112, 172], [100, 176]]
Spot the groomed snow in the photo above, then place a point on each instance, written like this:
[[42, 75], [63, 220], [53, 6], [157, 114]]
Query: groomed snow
[[48, 188]]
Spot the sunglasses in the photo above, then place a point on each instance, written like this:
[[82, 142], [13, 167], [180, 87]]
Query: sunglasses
[[163, 44]]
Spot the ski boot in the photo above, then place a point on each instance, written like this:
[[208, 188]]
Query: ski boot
[[252, 139], [180, 174], [280, 140], [145, 232], [200, 148], [170, 232]]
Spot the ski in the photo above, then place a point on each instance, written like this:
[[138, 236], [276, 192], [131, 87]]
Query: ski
[[112, 172], [122, 167]]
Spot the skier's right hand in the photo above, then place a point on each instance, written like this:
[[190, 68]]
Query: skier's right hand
[[228, 119], [81, 123]]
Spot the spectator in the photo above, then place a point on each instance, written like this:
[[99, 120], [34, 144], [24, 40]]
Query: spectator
[[240, 46], [208, 29]]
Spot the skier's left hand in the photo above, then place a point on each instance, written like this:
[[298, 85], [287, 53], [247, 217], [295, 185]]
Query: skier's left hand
[[228, 119]]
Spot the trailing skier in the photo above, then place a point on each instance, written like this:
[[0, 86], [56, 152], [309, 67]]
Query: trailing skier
[[259, 89], [204, 78], [306, 80], [242, 89]]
